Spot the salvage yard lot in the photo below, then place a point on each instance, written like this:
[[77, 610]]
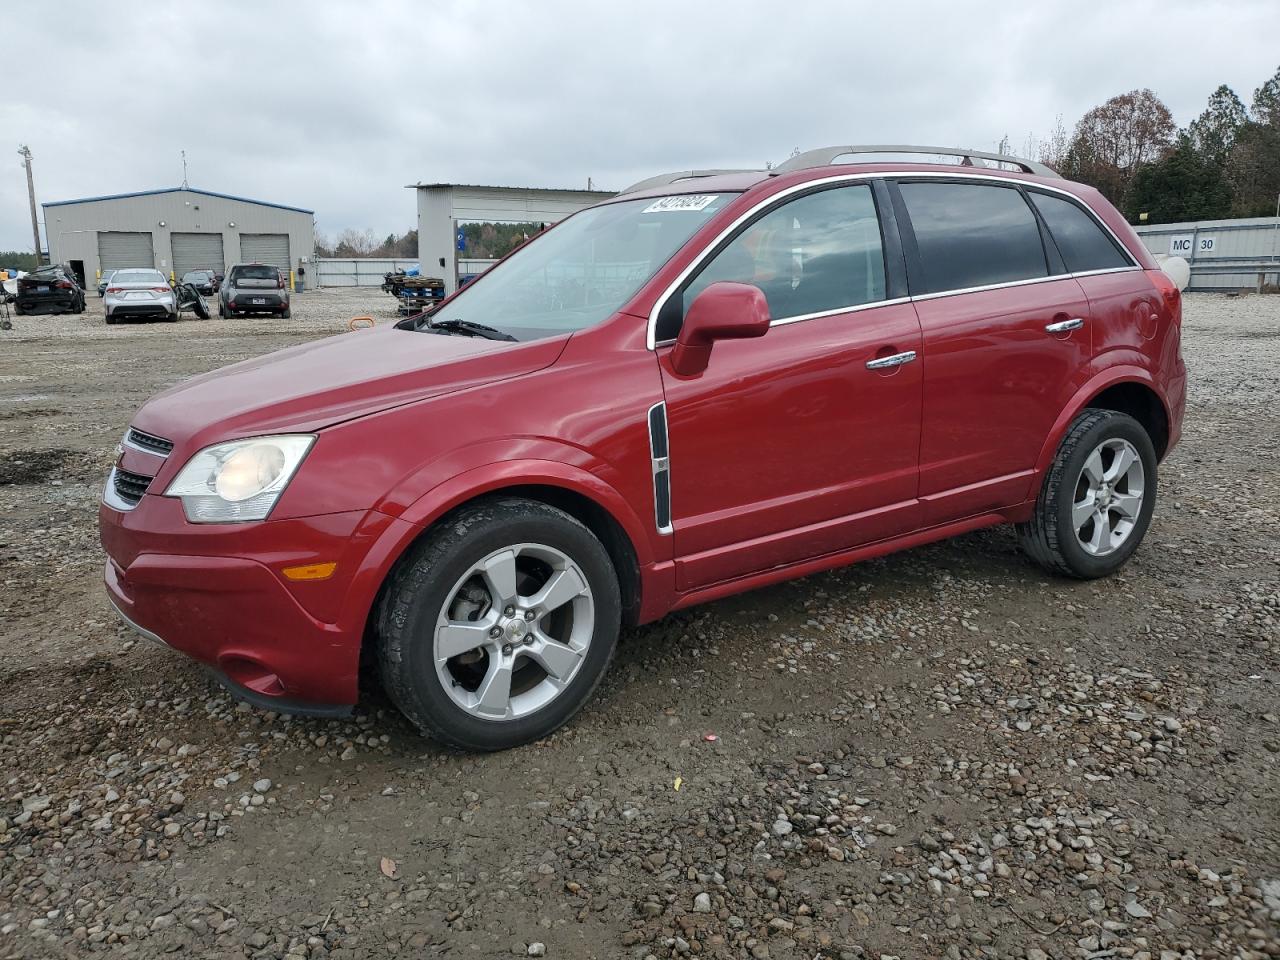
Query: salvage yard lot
[[943, 753]]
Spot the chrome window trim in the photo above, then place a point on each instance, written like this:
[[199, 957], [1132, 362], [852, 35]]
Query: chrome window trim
[[783, 321], [652, 343]]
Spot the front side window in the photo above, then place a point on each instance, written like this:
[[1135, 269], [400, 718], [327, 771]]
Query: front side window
[[584, 269], [972, 235], [1080, 240], [816, 254]]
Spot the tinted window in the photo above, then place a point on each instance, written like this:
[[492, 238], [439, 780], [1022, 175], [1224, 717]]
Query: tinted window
[[1082, 243], [971, 235], [816, 253], [255, 271], [138, 276]]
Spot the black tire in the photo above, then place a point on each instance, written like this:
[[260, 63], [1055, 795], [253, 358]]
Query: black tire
[[419, 588], [18, 310], [1049, 538], [171, 317], [110, 319], [202, 309], [286, 314]]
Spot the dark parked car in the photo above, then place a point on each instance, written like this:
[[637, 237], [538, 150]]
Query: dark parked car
[[203, 280], [253, 288], [705, 384], [49, 289], [105, 281]]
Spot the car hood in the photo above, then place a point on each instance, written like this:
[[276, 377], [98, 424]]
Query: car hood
[[318, 384]]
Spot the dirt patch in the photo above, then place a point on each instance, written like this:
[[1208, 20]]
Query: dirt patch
[[33, 466]]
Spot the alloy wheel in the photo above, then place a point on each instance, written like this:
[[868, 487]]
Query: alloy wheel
[[1108, 497], [513, 631]]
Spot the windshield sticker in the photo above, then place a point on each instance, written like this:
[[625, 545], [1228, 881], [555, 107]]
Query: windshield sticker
[[690, 202]]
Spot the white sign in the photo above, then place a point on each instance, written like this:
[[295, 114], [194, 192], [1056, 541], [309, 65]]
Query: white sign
[[690, 202], [1186, 245]]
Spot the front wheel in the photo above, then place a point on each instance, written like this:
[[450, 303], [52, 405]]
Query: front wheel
[[497, 627], [1097, 498]]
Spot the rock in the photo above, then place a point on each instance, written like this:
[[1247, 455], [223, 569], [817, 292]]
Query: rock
[[262, 786], [702, 903], [781, 827], [537, 949]]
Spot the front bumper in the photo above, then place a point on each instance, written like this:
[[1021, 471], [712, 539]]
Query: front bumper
[[216, 592]]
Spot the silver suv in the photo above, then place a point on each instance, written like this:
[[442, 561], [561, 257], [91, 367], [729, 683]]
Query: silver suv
[[253, 288]]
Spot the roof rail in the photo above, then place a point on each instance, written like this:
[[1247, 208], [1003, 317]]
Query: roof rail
[[662, 179], [823, 156]]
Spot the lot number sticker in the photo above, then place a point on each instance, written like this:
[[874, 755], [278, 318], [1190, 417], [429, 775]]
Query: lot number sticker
[[690, 202]]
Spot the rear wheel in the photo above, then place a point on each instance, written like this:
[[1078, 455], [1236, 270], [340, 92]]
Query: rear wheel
[[1097, 499], [286, 314], [498, 626], [110, 319]]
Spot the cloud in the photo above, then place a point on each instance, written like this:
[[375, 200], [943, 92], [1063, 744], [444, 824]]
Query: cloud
[[336, 107]]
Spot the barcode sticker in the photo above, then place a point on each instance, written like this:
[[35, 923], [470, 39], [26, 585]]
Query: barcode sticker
[[686, 202]]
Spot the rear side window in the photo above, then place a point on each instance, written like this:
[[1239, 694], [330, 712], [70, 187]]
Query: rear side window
[[818, 253], [1082, 243], [973, 235]]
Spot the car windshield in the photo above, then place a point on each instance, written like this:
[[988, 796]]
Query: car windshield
[[137, 276], [254, 272], [196, 275], [583, 270]]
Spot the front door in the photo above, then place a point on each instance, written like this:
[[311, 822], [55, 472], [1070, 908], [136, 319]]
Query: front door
[[790, 446]]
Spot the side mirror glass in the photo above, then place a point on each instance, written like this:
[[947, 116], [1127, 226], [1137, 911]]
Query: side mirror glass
[[723, 311]]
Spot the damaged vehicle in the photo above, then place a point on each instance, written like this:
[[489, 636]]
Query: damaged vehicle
[[52, 288], [710, 382]]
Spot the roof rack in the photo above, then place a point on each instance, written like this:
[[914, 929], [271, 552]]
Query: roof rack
[[662, 179], [823, 156]]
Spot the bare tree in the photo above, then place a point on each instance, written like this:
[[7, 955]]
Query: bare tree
[[355, 243], [1114, 140]]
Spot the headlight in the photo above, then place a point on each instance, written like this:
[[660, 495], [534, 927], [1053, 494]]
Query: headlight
[[241, 480]]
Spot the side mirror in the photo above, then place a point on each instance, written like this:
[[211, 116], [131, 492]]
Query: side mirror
[[723, 311]]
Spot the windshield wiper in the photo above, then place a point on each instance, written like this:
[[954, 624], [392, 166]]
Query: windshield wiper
[[467, 328]]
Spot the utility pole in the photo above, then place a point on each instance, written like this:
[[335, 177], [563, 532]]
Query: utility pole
[[25, 152]]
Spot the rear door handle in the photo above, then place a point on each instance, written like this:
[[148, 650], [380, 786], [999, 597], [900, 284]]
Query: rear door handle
[[894, 360], [1064, 326]]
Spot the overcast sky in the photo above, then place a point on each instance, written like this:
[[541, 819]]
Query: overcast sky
[[335, 107]]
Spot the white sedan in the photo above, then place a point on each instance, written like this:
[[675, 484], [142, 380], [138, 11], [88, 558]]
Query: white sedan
[[139, 293]]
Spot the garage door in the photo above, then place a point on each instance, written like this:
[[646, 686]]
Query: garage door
[[197, 251], [119, 251], [270, 248]]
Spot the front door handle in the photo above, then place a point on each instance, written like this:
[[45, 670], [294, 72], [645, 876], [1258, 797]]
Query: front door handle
[[1064, 326], [893, 360]]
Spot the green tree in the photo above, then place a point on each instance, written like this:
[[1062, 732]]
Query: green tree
[[1214, 132], [1253, 170], [1183, 185], [1266, 102], [25, 262]]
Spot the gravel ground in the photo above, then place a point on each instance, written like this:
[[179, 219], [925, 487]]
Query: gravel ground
[[944, 753]]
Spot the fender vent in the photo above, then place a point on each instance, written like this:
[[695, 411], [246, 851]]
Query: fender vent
[[661, 467]]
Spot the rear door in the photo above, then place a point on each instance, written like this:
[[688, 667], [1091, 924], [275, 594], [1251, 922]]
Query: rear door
[[1006, 340], [789, 446]]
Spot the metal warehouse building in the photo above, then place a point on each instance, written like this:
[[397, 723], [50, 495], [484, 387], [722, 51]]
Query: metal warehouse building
[[176, 230]]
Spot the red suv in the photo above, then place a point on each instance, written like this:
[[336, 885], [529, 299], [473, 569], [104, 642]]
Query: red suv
[[710, 382]]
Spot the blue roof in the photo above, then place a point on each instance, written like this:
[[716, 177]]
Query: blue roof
[[152, 193]]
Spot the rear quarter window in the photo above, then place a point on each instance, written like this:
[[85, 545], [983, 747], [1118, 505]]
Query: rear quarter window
[[1084, 245], [973, 235]]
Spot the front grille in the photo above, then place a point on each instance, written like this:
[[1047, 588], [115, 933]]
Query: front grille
[[150, 442], [130, 486]]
